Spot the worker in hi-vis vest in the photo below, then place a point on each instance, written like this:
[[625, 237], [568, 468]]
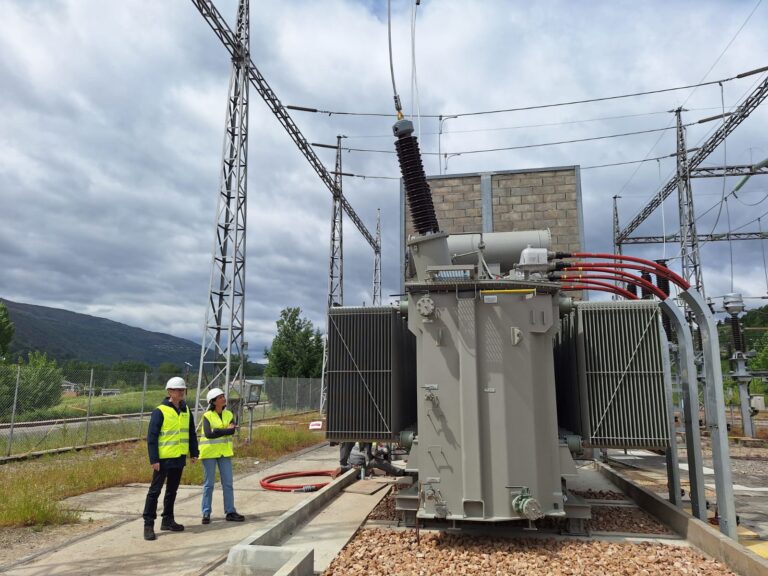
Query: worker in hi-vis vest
[[170, 438], [216, 450]]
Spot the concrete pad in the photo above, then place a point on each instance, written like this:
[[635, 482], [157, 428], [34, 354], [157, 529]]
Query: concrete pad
[[123, 550], [331, 529]]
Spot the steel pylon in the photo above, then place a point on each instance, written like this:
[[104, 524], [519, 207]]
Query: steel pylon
[[222, 354], [377, 263]]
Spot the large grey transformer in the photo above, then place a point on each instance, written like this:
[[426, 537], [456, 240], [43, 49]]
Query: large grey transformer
[[487, 445]]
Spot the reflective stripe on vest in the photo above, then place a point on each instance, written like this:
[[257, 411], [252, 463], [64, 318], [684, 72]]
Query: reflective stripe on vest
[[174, 434], [221, 446]]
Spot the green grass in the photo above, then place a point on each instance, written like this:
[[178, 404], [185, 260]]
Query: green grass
[[56, 477]]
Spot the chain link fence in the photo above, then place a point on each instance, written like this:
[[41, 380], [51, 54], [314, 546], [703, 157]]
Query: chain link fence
[[49, 408]]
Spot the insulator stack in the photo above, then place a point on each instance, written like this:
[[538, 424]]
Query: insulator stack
[[632, 289], [663, 284], [417, 190], [647, 295], [737, 336]]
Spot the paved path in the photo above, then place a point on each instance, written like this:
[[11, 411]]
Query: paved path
[[123, 551]]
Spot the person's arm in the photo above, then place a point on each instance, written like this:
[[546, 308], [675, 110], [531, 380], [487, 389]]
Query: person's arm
[[215, 432], [153, 436], [194, 451]]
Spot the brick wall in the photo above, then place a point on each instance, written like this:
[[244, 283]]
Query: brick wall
[[518, 200]]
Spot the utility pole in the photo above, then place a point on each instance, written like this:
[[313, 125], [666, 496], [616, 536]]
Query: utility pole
[[223, 330], [336, 266], [689, 240], [377, 263]]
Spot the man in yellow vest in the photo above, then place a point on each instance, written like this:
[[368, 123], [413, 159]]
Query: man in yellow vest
[[170, 438], [216, 450]]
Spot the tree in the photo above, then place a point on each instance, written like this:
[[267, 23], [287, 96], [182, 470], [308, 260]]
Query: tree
[[297, 349], [168, 369], [39, 384], [6, 331]]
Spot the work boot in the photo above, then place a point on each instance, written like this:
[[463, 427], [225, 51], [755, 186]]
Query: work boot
[[149, 533], [235, 517], [206, 519], [171, 525]]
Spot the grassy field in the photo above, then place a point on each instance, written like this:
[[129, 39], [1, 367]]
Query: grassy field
[[39, 502]]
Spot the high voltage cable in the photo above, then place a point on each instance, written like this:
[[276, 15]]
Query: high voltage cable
[[521, 147], [533, 107]]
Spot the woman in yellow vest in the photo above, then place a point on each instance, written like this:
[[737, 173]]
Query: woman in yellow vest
[[216, 449]]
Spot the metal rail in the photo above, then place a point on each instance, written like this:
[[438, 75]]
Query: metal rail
[[219, 26], [729, 125]]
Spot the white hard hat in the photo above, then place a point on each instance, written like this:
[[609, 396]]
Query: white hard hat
[[214, 393], [176, 383]]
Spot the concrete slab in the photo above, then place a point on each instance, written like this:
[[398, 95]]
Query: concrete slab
[[123, 550], [329, 531]]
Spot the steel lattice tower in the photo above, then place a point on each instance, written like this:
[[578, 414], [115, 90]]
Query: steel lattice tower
[[336, 265], [222, 355], [689, 240], [377, 263]]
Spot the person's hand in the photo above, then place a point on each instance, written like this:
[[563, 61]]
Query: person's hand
[[156, 466], [194, 459], [232, 425]]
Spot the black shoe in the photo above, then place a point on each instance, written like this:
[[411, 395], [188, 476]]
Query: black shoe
[[172, 526], [206, 519], [235, 517], [149, 533]]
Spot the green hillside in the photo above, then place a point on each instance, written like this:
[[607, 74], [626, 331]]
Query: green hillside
[[66, 335]]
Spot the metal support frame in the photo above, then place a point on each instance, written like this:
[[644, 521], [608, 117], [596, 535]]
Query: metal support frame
[[223, 331], [219, 26], [673, 466], [748, 105], [701, 238], [690, 387], [715, 401], [721, 171], [377, 263], [336, 265], [616, 227], [689, 242]]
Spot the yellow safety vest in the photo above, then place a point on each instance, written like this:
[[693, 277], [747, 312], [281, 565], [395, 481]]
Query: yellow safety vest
[[174, 434], [221, 446]]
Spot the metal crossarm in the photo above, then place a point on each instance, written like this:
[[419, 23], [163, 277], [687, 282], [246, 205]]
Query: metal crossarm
[[219, 26], [672, 238], [720, 171], [740, 114]]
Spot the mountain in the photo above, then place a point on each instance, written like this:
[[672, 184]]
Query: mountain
[[66, 335]]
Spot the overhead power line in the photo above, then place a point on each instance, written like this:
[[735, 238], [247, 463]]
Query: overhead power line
[[521, 147], [533, 107]]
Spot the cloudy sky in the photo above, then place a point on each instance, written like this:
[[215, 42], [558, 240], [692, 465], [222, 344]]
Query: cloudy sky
[[112, 117]]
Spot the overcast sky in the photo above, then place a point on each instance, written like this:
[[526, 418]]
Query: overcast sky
[[112, 119]]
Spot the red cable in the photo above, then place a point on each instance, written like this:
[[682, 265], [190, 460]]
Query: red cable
[[606, 288], [618, 275], [578, 265], [267, 481], [611, 288], [663, 270]]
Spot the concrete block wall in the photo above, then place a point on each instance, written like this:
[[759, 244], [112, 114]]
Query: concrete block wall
[[533, 199]]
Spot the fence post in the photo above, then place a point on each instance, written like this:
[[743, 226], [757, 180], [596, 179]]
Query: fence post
[[13, 410], [309, 402], [143, 396], [297, 396], [282, 395], [88, 413]]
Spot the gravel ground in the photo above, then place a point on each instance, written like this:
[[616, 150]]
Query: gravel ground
[[376, 552], [385, 509], [590, 494], [17, 543], [625, 519]]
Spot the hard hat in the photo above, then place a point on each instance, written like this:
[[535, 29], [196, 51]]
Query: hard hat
[[176, 383], [214, 393]]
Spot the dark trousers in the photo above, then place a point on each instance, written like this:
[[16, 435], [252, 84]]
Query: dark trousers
[[173, 475]]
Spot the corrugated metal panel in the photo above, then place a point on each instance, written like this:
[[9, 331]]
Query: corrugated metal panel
[[621, 374], [370, 373]]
